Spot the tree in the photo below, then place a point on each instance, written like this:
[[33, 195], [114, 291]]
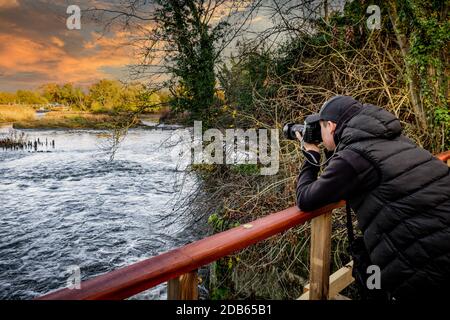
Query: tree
[[66, 94], [29, 97], [135, 97], [246, 77], [411, 50], [184, 39], [422, 30], [105, 95], [51, 91], [7, 98]]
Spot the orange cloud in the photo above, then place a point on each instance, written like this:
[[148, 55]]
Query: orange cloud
[[36, 47], [6, 4], [57, 41], [26, 55]]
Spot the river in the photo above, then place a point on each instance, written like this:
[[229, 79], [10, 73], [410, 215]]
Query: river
[[70, 207]]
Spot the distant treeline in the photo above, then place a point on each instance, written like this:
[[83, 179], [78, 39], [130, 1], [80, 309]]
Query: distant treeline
[[102, 96]]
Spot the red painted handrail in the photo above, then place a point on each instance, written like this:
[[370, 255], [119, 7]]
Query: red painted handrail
[[130, 280], [444, 156]]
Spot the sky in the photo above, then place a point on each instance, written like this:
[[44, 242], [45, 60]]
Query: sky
[[36, 47]]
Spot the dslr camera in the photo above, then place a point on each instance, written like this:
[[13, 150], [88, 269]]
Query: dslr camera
[[310, 130]]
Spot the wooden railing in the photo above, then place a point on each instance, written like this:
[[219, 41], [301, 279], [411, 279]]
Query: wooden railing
[[179, 266], [445, 156], [175, 264]]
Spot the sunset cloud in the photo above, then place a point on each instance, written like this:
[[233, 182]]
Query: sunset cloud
[[8, 4], [36, 48], [51, 60], [57, 41]]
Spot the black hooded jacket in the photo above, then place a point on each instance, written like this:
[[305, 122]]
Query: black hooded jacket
[[401, 196]]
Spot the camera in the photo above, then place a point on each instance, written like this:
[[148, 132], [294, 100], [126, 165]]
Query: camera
[[310, 130]]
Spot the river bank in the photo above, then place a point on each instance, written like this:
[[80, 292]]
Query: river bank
[[26, 117]]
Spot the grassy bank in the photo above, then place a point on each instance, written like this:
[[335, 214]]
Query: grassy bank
[[75, 120], [13, 113], [24, 117]]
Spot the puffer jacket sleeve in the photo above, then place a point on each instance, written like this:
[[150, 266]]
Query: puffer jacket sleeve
[[347, 173]]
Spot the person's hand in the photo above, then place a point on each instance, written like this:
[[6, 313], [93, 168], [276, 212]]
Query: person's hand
[[308, 146]]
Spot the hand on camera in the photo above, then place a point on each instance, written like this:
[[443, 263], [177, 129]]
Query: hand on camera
[[308, 146]]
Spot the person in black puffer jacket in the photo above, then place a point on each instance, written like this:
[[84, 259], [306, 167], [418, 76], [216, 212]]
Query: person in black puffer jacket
[[399, 192]]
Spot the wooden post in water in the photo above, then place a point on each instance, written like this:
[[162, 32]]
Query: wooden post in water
[[320, 257], [184, 287]]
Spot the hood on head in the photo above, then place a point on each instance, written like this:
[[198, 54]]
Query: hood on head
[[368, 123]]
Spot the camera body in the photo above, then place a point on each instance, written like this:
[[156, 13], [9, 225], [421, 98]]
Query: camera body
[[310, 130]]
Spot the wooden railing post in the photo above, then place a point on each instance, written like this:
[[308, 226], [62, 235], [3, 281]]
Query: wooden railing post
[[320, 257], [184, 287]]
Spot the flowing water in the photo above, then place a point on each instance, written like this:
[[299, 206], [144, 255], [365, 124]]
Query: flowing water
[[70, 207]]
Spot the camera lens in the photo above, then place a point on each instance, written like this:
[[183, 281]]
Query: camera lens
[[289, 130]]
